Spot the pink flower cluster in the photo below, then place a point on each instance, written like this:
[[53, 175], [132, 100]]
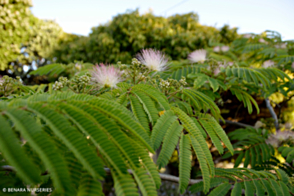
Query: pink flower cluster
[[106, 76], [197, 56], [277, 139], [153, 59], [268, 63], [221, 48]]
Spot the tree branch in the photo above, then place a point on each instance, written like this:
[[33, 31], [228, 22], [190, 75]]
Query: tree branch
[[236, 123], [272, 112], [166, 177]]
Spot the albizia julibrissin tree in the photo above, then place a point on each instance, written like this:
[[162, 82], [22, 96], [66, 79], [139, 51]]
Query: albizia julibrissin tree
[[107, 120]]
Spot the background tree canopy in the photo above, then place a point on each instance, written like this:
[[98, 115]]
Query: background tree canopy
[[126, 34], [24, 39]]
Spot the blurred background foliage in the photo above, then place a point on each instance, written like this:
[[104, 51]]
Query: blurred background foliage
[[25, 39], [27, 42]]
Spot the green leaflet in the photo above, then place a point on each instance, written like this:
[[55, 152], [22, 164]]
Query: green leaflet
[[247, 158], [154, 94], [221, 190], [122, 99], [185, 162], [139, 112], [185, 71], [75, 169], [203, 101], [124, 184], [282, 175], [237, 190], [189, 126], [268, 188], [169, 143], [15, 155], [222, 135], [183, 106], [161, 126], [276, 187], [199, 127], [203, 164], [147, 187], [284, 188], [148, 163], [89, 186], [244, 72], [148, 106], [253, 157], [249, 189], [246, 98], [199, 81], [287, 152], [215, 140], [258, 187], [214, 84], [239, 159]]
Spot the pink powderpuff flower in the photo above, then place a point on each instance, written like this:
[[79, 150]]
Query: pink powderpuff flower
[[106, 76], [197, 56], [288, 125], [216, 49], [1, 81], [230, 63], [282, 45], [153, 59], [248, 35], [280, 137], [216, 71], [225, 48], [268, 63], [261, 40]]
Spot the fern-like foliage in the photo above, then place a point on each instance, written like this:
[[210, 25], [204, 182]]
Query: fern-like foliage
[[256, 76], [252, 147], [91, 126], [177, 71], [247, 181], [51, 70], [113, 124]]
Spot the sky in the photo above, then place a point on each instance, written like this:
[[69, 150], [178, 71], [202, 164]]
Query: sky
[[250, 16]]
